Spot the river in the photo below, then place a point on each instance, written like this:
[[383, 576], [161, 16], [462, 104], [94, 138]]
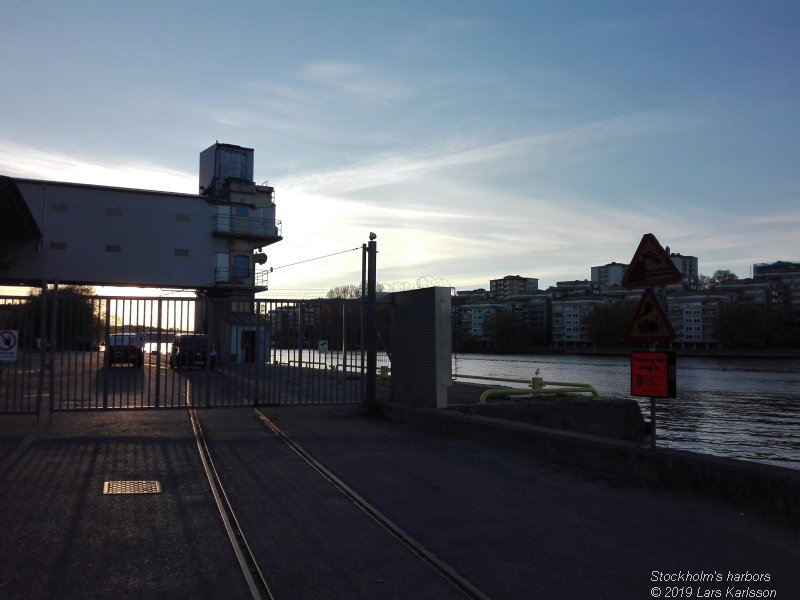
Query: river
[[746, 408]]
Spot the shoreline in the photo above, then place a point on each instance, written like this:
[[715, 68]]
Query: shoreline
[[738, 354]]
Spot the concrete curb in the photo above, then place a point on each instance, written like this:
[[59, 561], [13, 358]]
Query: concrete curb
[[772, 490]]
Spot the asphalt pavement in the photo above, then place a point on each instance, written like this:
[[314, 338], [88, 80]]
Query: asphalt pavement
[[511, 525]]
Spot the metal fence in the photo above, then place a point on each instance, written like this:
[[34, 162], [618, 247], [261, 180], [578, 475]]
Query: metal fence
[[75, 352]]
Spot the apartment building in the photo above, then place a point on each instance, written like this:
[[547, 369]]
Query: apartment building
[[787, 277], [753, 292], [512, 285], [536, 313], [607, 276], [473, 318], [688, 267], [693, 317], [558, 316], [569, 319]]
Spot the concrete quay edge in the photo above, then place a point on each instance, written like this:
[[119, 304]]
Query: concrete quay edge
[[773, 491]]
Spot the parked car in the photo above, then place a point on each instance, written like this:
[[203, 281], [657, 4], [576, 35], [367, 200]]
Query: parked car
[[122, 348], [191, 350], [87, 344]]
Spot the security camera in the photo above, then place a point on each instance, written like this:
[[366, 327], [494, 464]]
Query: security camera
[[372, 236]]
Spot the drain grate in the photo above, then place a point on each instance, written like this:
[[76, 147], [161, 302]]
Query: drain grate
[[132, 487]]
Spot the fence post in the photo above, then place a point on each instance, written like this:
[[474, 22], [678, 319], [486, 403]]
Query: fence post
[[42, 346], [52, 352], [159, 356]]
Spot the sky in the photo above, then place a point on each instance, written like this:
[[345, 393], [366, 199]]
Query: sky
[[476, 138]]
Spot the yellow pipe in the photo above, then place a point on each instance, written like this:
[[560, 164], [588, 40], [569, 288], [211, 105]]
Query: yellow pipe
[[537, 389]]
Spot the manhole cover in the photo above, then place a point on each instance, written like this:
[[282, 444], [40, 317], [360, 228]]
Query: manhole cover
[[131, 487]]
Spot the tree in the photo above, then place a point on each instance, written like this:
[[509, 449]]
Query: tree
[[723, 276], [756, 327], [346, 291], [507, 332], [706, 282], [349, 291], [608, 324], [79, 316]]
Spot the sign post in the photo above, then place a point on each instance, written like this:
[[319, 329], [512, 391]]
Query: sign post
[[8, 345], [650, 265], [650, 323], [653, 373]]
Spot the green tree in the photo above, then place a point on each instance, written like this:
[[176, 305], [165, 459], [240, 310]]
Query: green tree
[[704, 282], [507, 332], [608, 324], [754, 327], [723, 276], [79, 316]]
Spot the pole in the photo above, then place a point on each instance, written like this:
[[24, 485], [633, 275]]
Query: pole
[[363, 271], [653, 408], [362, 323], [52, 354], [372, 346], [42, 357], [652, 422]]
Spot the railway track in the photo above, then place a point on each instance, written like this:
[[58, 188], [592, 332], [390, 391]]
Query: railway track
[[255, 579], [258, 580]]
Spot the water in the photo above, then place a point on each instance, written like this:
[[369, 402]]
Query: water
[[739, 408]]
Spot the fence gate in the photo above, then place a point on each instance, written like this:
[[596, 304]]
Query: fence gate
[[76, 352]]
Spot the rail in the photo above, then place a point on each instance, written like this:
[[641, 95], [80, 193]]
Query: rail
[[537, 387], [327, 369]]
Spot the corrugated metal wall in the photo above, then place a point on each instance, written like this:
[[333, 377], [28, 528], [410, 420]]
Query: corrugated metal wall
[[421, 346]]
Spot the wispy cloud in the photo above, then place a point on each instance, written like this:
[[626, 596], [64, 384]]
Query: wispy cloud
[[360, 81], [395, 168], [430, 37], [24, 161]]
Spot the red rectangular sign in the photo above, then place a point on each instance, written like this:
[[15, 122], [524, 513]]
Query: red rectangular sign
[[653, 374]]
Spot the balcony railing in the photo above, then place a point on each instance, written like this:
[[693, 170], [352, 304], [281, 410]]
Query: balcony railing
[[228, 277], [247, 226]]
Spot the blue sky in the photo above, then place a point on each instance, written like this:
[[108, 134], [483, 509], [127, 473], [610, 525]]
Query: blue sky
[[476, 138]]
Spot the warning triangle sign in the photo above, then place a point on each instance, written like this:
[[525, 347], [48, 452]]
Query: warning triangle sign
[[650, 265], [650, 323]]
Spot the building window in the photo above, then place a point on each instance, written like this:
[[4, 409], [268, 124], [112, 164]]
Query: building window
[[241, 266]]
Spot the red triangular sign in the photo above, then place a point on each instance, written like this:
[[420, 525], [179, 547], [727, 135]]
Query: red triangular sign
[[650, 323], [650, 265]]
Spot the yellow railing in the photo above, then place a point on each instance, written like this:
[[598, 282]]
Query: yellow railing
[[537, 387]]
